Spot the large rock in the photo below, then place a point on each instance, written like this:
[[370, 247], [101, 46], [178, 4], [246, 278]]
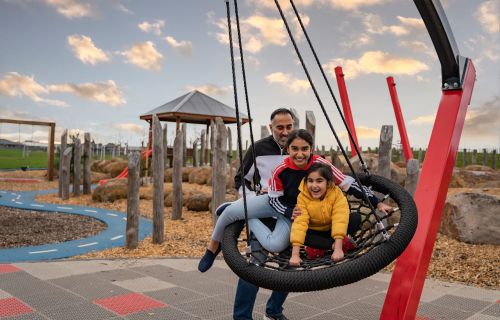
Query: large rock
[[185, 173], [464, 178], [200, 175], [472, 216], [198, 202], [116, 167], [111, 191]]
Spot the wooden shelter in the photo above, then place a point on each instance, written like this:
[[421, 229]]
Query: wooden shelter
[[192, 107]]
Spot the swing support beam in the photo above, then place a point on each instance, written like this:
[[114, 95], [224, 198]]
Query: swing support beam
[[346, 106], [458, 77], [52, 129]]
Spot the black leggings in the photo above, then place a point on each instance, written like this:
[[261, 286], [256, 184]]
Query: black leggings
[[324, 240]]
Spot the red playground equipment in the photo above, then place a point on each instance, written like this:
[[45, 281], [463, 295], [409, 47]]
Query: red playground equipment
[[124, 173]]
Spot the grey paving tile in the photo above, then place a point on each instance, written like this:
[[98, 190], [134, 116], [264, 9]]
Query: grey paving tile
[[493, 310], [158, 271], [76, 280], [4, 294], [46, 271], [477, 293], [144, 284], [328, 316], [342, 296], [27, 316], [174, 296], [43, 301], [377, 299], [293, 310], [209, 287], [208, 308], [20, 284], [81, 311], [220, 274], [479, 316], [90, 286], [434, 289], [261, 299], [358, 310], [439, 312], [118, 275], [168, 313], [460, 303]]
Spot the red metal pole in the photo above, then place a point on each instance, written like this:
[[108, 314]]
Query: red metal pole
[[399, 118], [408, 278], [346, 106]]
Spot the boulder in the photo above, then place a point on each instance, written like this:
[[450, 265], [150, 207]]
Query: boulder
[[198, 202], [113, 190], [474, 178], [116, 167], [471, 215], [200, 175], [167, 177], [185, 173], [477, 167]]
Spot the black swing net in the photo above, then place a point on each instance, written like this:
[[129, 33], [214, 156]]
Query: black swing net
[[380, 238]]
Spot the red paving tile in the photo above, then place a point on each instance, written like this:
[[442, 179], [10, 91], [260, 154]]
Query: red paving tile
[[129, 303], [10, 307], [422, 318], [6, 268]]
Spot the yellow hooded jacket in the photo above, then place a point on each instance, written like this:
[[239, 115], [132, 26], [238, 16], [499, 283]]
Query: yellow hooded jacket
[[330, 213]]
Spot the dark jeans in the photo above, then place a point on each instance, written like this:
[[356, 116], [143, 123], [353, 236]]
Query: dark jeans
[[323, 239], [246, 293]]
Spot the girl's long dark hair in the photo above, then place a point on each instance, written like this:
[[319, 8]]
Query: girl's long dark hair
[[302, 134], [324, 170]]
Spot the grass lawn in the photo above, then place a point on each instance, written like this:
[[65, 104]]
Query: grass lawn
[[13, 159]]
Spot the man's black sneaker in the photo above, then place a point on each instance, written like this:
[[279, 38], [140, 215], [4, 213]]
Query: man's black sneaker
[[270, 317]]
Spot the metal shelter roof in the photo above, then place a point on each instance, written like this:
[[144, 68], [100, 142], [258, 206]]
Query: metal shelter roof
[[194, 107]]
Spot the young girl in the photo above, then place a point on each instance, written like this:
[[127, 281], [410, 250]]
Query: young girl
[[324, 207], [280, 200]]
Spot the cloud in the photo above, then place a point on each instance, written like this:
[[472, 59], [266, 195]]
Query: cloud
[[363, 133], [487, 15], [152, 27], [415, 23], [144, 55], [17, 85], [377, 62], [266, 4], [358, 41], [121, 7], [423, 120], [183, 47], [418, 46], [485, 47], [106, 92], [352, 5], [483, 122], [71, 8], [211, 89], [288, 81], [132, 127], [85, 50], [12, 113]]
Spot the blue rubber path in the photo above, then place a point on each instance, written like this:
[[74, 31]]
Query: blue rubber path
[[113, 236]]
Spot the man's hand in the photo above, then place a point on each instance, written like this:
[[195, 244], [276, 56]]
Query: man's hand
[[386, 209], [263, 191], [296, 212]]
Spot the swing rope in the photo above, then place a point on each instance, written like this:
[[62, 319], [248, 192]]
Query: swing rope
[[351, 138], [313, 87]]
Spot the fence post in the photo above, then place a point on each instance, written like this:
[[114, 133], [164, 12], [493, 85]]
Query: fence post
[[296, 119], [219, 167], [202, 148], [165, 147], [77, 167], [385, 152], [420, 154], [158, 173], [195, 150], [212, 141], [310, 123], [474, 156], [65, 172], [485, 157], [184, 144], [230, 156], [62, 147], [132, 228], [264, 132], [464, 157], [412, 175], [87, 159], [494, 164], [177, 177]]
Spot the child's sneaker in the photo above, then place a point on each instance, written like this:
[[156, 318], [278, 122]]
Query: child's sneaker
[[313, 253], [348, 244]]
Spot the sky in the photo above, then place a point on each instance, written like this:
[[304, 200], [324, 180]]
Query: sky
[[97, 65]]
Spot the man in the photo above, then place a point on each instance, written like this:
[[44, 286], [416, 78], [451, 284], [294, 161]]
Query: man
[[269, 152]]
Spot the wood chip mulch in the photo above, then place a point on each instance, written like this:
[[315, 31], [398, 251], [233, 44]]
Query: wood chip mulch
[[470, 264]]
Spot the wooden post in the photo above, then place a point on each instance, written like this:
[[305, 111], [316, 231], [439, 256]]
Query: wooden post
[[195, 150], [64, 143], [494, 155], [310, 123], [158, 175], [420, 154], [50, 167], [485, 157], [184, 145], [65, 172], [165, 146], [212, 141], [384, 152], [296, 119], [87, 159], [474, 156], [77, 171], [202, 148], [219, 167], [464, 157], [264, 132], [132, 229], [177, 178], [412, 174], [230, 156]]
